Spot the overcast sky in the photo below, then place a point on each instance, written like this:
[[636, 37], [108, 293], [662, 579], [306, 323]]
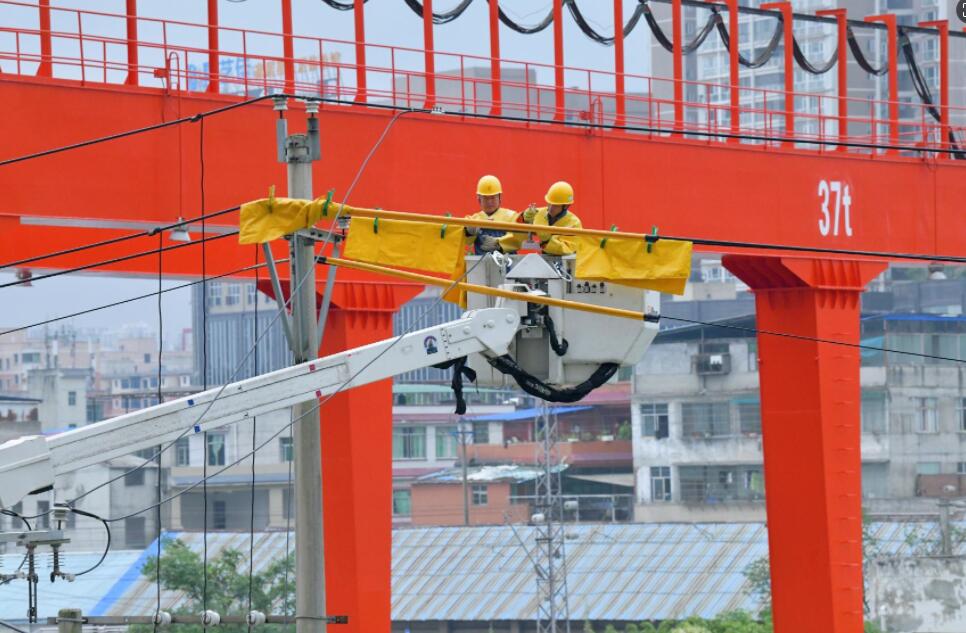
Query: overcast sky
[[387, 22]]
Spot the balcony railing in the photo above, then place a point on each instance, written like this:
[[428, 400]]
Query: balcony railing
[[590, 507], [593, 453]]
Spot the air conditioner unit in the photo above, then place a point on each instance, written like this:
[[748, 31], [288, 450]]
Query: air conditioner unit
[[712, 364]]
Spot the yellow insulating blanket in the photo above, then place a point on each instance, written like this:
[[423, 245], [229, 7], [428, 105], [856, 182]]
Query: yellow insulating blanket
[[400, 244], [270, 218], [626, 261]]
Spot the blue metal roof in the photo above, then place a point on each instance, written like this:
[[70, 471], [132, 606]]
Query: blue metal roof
[[523, 414], [616, 571]]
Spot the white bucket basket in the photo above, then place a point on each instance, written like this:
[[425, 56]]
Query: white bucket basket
[[592, 339]]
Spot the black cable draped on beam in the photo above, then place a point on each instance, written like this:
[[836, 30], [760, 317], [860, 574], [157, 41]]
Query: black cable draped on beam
[[440, 18]]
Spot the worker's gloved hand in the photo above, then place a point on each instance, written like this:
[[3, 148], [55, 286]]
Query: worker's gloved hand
[[530, 213], [489, 244], [471, 230]]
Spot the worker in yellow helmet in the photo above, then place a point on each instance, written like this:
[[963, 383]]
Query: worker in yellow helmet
[[489, 194], [557, 213]]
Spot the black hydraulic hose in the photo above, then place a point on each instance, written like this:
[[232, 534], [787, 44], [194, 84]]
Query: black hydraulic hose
[[546, 391]]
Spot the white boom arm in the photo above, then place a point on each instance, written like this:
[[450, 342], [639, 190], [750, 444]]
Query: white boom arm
[[33, 463]]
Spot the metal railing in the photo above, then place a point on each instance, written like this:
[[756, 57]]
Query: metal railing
[[89, 47]]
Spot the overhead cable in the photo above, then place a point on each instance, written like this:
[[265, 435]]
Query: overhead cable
[[280, 312], [440, 18], [117, 240], [525, 30], [584, 25], [811, 339], [194, 118], [116, 260], [860, 57], [807, 66], [113, 304]]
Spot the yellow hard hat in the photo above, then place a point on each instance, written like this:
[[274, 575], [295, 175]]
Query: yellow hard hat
[[560, 192], [488, 186]]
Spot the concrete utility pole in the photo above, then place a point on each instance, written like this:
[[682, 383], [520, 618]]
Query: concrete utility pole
[[298, 151]]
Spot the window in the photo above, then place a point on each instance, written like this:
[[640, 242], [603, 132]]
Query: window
[[749, 415], [961, 468], [927, 468], [43, 510], [219, 518], [234, 295], [480, 494], [285, 449], [961, 409], [873, 412], [409, 442], [926, 415], [481, 432], [71, 398], [660, 483], [134, 478], [251, 293], [214, 294], [216, 449], [752, 355], [182, 452], [147, 358], [401, 502], [446, 442], [134, 532], [654, 420], [705, 419]]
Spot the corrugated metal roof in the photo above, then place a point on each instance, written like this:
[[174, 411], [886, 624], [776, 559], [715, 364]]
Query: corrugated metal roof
[[630, 571]]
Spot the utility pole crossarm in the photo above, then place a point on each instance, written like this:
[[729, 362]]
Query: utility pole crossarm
[[33, 463]]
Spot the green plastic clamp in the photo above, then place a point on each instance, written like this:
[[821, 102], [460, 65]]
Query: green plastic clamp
[[613, 227], [650, 242], [325, 205]]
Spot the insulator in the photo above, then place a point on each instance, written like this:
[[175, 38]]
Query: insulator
[[210, 618], [162, 618], [255, 618]]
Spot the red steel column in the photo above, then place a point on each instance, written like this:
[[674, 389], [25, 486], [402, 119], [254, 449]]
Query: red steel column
[[619, 95], [733, 67], [357, 468], [45, 67], [810, 408], [495, 76], [786, 10], [430, 67], [213, 81], [359, 12], [131, 8], [842, 63], [677, 53], [559, 100], [943, 28], [893, 48], [288, 46]]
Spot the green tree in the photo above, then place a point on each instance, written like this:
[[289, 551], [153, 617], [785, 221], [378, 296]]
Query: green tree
[[610, 628], [588, 627], [646, 627], [182, 571]]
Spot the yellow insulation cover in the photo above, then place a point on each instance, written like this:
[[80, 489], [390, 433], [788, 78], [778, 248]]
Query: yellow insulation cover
[[626, 261], [400, 244], [270, 218]]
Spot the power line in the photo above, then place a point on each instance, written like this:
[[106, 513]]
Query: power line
[[194, 118], [148, 295], [279, 313], [117, 260], [116, 240], [812, 339]]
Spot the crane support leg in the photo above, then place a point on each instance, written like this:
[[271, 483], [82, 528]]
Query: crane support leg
[[810, 406]]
